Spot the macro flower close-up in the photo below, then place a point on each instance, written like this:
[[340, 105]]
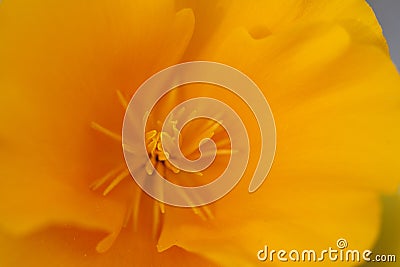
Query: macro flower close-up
[[69, 69]]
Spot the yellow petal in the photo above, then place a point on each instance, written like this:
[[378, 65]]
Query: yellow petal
[[389, 238]]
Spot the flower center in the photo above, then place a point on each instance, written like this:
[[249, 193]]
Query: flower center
[[158, 159], [157, 156]]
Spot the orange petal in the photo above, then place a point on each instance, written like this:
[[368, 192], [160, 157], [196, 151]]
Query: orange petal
[[72, 247], [62, 66], [217, 20], [335, 100], [340, 102], [313, 218]]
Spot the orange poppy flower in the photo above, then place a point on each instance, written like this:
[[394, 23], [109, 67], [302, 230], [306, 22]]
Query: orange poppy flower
[[67, 69]]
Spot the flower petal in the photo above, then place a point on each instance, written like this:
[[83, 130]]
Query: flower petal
[[389, 238], [330, 96], [70, 247], [215, 21], [61, 67], [335, 100], [312, 218]]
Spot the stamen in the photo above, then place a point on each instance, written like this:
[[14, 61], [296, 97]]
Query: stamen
[[116, 181], [205, 208], [152, 146], [195, 209], [223, 142], [122, 99], [128, 215], [149, 167], [208, 212], [160, 187], [220, 152], [107, 242], [158, 160], [128, 148], [213, 127], [171, 167], [162, 207], [99, 182], [225, 151], [106, 132], [156, 218], [150, 134], [136, 207], [208, 132]]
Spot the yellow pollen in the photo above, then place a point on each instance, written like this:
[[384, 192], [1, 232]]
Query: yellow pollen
[[158, 157]]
